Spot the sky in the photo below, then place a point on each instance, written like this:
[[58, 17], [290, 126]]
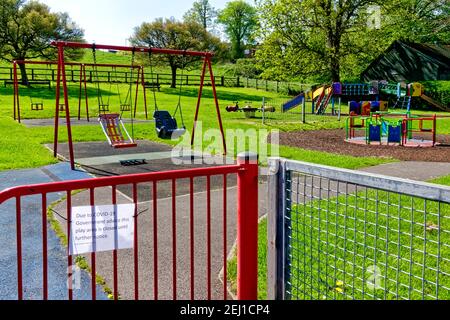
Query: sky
[[113, 21]]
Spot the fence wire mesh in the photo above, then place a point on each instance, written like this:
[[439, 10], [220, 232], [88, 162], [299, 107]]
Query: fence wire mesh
[[348, 241]]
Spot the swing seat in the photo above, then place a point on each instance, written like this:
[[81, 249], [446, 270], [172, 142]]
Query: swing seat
[[166, 125], [125, 107], [39, 106], [115, 131], [103, 107]]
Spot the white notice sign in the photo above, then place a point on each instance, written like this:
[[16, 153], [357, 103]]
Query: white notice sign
[[102, 228]]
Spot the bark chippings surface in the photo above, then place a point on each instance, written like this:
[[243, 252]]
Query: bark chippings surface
[[333, 141]]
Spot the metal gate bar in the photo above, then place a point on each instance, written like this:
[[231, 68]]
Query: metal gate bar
[[247, 211]]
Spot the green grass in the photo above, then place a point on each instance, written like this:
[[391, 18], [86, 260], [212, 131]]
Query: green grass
[[19, 148], [167, 99], [343, 223]]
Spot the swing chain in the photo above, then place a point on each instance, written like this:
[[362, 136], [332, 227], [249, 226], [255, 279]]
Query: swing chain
[[183, 65]]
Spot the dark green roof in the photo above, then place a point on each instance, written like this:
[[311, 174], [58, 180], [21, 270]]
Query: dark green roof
[[407, 61]]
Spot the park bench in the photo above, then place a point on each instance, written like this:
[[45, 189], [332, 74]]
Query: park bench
[[31, 82]]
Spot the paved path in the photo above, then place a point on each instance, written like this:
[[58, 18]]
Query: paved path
[[32, 240], [413, 170]]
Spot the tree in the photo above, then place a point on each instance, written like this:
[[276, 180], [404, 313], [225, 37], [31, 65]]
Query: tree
[[423, 21], [311, 37], [177, 35], [240, 21], [28, 28], [201, 12], [331, 39]]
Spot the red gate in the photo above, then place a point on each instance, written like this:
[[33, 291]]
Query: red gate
[[246, 172]]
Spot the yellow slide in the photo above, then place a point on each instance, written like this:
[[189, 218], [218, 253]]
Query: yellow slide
[[319, 92]]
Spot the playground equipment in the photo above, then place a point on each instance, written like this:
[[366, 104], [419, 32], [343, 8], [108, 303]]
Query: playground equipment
[[248, 110], [385, 128], [62, 81], [115, 131], [80, 76], [165, 124], [38, 105], [112, 125], [295, 102]]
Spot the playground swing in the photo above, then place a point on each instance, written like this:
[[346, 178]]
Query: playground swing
[[111, 123], [102, 106], [166, 124], [125, 105], [39, 105]]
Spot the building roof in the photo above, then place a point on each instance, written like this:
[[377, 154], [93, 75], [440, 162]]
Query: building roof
[[404, 58]]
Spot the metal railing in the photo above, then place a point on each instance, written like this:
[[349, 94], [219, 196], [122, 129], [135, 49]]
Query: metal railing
[[137, 273], [337, 234]]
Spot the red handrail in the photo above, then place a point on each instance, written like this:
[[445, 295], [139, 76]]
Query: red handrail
[[247, 227], [113, 181]]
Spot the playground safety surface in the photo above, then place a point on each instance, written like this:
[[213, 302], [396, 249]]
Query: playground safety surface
[[100, 160], [333, 141]]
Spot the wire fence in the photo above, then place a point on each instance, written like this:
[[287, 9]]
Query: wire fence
[[356, 236], [124, 75]]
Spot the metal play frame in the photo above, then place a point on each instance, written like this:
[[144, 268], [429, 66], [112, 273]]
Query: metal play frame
[[83, 83], [61, 79]]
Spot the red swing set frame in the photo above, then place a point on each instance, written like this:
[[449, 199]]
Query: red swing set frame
[[61, 80], [82, 82]]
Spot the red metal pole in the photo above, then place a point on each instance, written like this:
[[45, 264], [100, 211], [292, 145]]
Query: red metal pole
[[174, 238], [66, 102], [93, 254], [208, 235], [44, 248], [69, 257], [136, 243], [216, 101], [197, 109], [19, 248], [155, 241], [58, 94], [192, 235], [225, 235], [145, 94], [137, 92], [247, 242], [434, 129], [115, 256], [125, 48]]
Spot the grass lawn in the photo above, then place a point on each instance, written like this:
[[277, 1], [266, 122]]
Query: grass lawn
[[167, 99], [364, 248]]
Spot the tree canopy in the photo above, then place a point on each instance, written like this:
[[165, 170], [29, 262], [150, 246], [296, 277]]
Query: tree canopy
[[334, 39], [203, 13], [240, 21], [27, 29], [178, 35]]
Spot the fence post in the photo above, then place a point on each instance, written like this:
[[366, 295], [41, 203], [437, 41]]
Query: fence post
[[279, 203], [223, 81], [247, 243], [238, 82]]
